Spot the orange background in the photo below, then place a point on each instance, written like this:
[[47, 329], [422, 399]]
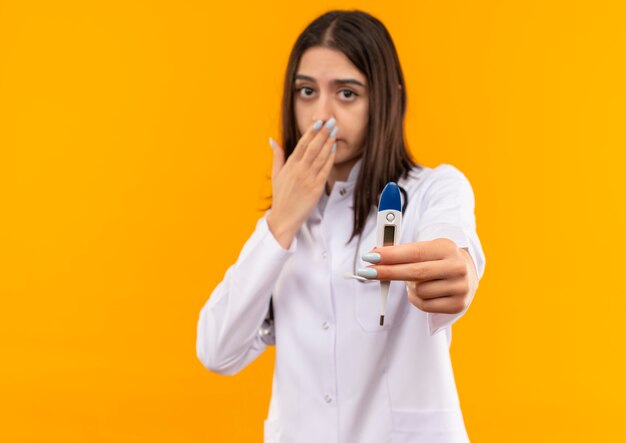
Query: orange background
[[128, 128]]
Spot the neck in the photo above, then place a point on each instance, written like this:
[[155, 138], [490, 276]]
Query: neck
[[339, 172]]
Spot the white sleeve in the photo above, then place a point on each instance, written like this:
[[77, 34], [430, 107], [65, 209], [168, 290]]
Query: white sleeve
[[448, 212], [228, 327]]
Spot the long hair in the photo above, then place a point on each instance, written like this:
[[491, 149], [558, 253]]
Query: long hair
[[367, 44]]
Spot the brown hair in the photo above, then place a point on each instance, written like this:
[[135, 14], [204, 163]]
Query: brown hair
[[367, 44]]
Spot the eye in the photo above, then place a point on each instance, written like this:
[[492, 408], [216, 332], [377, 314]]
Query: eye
[[304, 88], [350, 92]]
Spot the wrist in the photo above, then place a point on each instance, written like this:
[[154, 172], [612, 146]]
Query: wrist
[[282, 232]]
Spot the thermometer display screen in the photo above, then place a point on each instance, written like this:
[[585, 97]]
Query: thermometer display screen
[[388, 235]]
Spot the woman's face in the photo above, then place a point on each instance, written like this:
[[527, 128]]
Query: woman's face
[[329, 85]]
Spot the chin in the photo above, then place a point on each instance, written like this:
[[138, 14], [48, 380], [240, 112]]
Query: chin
[[344, 154]]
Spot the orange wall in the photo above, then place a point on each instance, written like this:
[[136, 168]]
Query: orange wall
[[128, 128]]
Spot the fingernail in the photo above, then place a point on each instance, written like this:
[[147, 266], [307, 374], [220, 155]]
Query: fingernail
[[367, 272], [272, 143], [318, 125], [334, 148], [330, 123], [371, 257], [334, 131]]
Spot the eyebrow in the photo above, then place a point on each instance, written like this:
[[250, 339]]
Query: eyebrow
[[338, 81]]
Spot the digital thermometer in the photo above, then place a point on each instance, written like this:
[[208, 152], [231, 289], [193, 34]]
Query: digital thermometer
[[388, 225]]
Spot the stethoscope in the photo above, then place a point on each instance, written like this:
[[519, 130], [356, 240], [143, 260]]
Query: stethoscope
[[267, 332]]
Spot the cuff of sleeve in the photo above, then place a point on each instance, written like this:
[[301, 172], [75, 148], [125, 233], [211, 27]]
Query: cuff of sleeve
[[273, 242], [439, 321]]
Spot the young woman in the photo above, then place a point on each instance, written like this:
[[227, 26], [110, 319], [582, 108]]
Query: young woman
[[339, 375]]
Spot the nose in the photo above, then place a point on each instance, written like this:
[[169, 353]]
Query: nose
[[323, 109]]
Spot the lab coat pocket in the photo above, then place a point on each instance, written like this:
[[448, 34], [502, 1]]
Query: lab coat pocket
[[428, 426], [368, 305]]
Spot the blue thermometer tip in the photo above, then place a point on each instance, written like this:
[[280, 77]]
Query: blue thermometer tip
[[390, 198]]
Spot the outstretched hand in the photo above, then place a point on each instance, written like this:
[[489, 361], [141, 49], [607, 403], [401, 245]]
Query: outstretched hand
[[440, 277]]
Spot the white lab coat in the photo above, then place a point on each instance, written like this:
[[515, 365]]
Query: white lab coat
[[339, 376]]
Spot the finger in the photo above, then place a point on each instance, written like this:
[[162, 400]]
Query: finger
[[304, 141], [279, 157], [315, 146], [322, 157], [441, 288], [416, 252], [422, 271], [322, 175], [441, 305]]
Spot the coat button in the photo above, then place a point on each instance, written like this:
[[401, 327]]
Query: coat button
[[324, 254], [325, 325], [328, 398], [342, 191]]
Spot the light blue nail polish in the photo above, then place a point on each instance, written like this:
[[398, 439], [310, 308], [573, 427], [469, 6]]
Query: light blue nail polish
[[334, 131], [372, 257], [367, 272], [334, 148], [318, 125], [330, 123]]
